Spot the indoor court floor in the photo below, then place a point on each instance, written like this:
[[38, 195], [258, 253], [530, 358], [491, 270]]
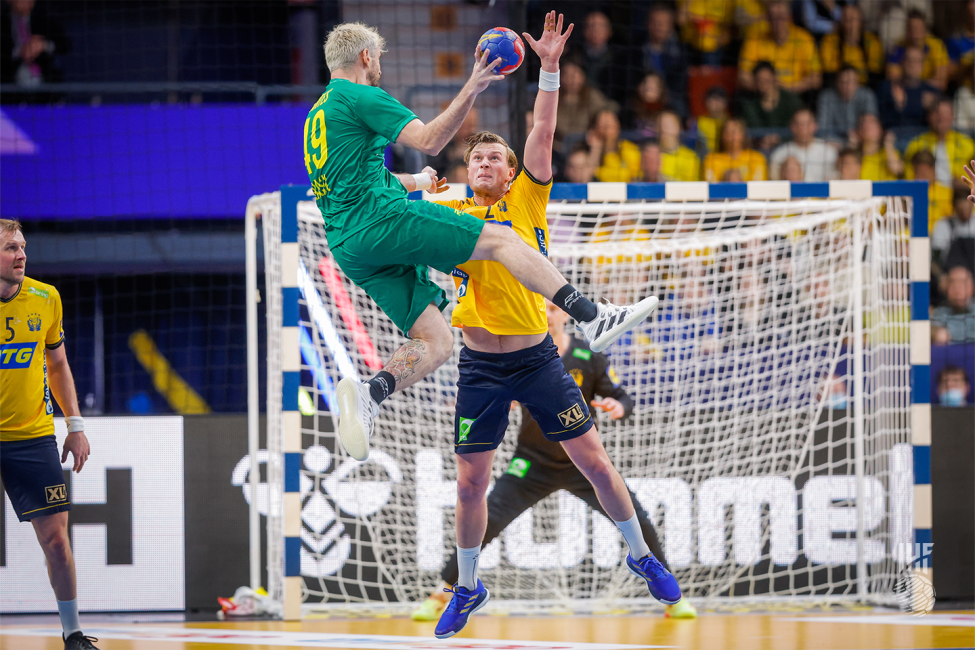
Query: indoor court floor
[[865, 630]]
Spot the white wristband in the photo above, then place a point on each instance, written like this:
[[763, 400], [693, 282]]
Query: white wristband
[[548, 80], [75, 423], [423, 181]]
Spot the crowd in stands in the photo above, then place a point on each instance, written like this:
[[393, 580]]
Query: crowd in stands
[[724, 90], [743, 90], [807, 90]]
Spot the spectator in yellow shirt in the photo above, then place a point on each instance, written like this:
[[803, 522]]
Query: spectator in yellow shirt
[[677, 162], [735, 153], [710, 125], [951, 149], [936, 64], [940, 197], [615, 160], [791, 50], [880, 160], [850, 45], [706, 27], [750, 18]]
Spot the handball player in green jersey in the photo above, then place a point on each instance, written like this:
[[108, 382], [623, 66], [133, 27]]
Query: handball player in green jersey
[[385, 242]]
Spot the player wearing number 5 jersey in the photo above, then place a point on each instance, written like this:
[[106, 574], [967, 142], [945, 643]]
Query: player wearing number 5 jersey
[[385, 243], [508, 354], [33, 365]]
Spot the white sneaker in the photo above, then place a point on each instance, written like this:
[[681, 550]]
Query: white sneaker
[[357, 412], [611, 321]]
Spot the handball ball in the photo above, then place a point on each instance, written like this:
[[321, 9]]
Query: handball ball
[[504, 43]]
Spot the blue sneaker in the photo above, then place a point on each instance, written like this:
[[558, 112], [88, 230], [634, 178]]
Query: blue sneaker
[[464, 603], [660, 582]]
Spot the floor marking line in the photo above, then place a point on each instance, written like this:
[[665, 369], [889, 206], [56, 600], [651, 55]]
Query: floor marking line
[[928, 620], [272, 638]]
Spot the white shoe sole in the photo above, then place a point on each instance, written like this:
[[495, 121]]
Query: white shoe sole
[[354, 436], [483, 603], [640, 312]]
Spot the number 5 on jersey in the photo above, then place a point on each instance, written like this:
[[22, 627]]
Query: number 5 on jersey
[[319, 147]]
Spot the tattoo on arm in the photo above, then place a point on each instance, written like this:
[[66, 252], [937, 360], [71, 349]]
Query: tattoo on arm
[[404, 363]]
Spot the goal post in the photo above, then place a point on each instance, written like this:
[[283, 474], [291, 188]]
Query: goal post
[[772, 295]]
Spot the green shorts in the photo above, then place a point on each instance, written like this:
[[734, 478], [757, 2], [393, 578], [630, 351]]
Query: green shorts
[[389, 259]]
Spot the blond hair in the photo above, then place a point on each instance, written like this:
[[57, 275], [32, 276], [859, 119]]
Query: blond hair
[[344, 44], [486, 137], [10, 226]]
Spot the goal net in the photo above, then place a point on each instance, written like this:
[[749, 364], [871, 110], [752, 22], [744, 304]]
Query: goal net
[[778, 322]]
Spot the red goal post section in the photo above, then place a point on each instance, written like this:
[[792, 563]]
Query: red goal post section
[[920, 330]]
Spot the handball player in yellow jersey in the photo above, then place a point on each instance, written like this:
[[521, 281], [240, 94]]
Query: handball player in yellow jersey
[[33, 365], [508, 354]]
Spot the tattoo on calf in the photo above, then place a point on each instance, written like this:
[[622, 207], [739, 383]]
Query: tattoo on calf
[[404, 363]]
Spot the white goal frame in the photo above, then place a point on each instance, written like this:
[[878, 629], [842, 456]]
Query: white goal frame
[[284, 448]]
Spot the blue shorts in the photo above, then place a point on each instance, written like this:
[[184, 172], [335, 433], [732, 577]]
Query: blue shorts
[[32, 477], [535, 377]]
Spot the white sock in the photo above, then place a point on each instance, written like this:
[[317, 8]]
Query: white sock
[[467, 565], [634, 537], [68, 611]]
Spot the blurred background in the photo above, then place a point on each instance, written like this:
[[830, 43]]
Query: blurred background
[[133, 133]]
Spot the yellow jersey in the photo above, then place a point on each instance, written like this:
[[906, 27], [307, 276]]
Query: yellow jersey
[[488, 296], [749, 163], [959, 148], [709, 128], [30, 323], [793, 60], [681, 164], [866, 57], [707, 23], [620, 166], [874, 167]]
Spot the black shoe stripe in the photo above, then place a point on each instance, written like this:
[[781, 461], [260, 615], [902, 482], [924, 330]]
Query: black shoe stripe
[[599, 330]]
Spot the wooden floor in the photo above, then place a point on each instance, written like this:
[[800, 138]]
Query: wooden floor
[[879, 630]]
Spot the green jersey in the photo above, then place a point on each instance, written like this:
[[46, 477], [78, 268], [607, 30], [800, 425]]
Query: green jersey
[[346, 133]]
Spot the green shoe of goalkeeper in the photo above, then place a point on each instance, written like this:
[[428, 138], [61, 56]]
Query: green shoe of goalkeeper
[[429, 610], [682, 609]]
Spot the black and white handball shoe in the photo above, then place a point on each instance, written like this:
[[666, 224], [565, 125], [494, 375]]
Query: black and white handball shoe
[[612, 321]]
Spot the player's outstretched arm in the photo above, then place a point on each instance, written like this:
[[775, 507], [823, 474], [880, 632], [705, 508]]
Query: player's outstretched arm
[[62, 386], [433, 137], [538, 146], [969, 177], [431, 183]]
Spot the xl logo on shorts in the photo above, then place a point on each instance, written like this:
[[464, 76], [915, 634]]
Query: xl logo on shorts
[[572, 416], [16, 355], [56, 493], [465, 428]]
